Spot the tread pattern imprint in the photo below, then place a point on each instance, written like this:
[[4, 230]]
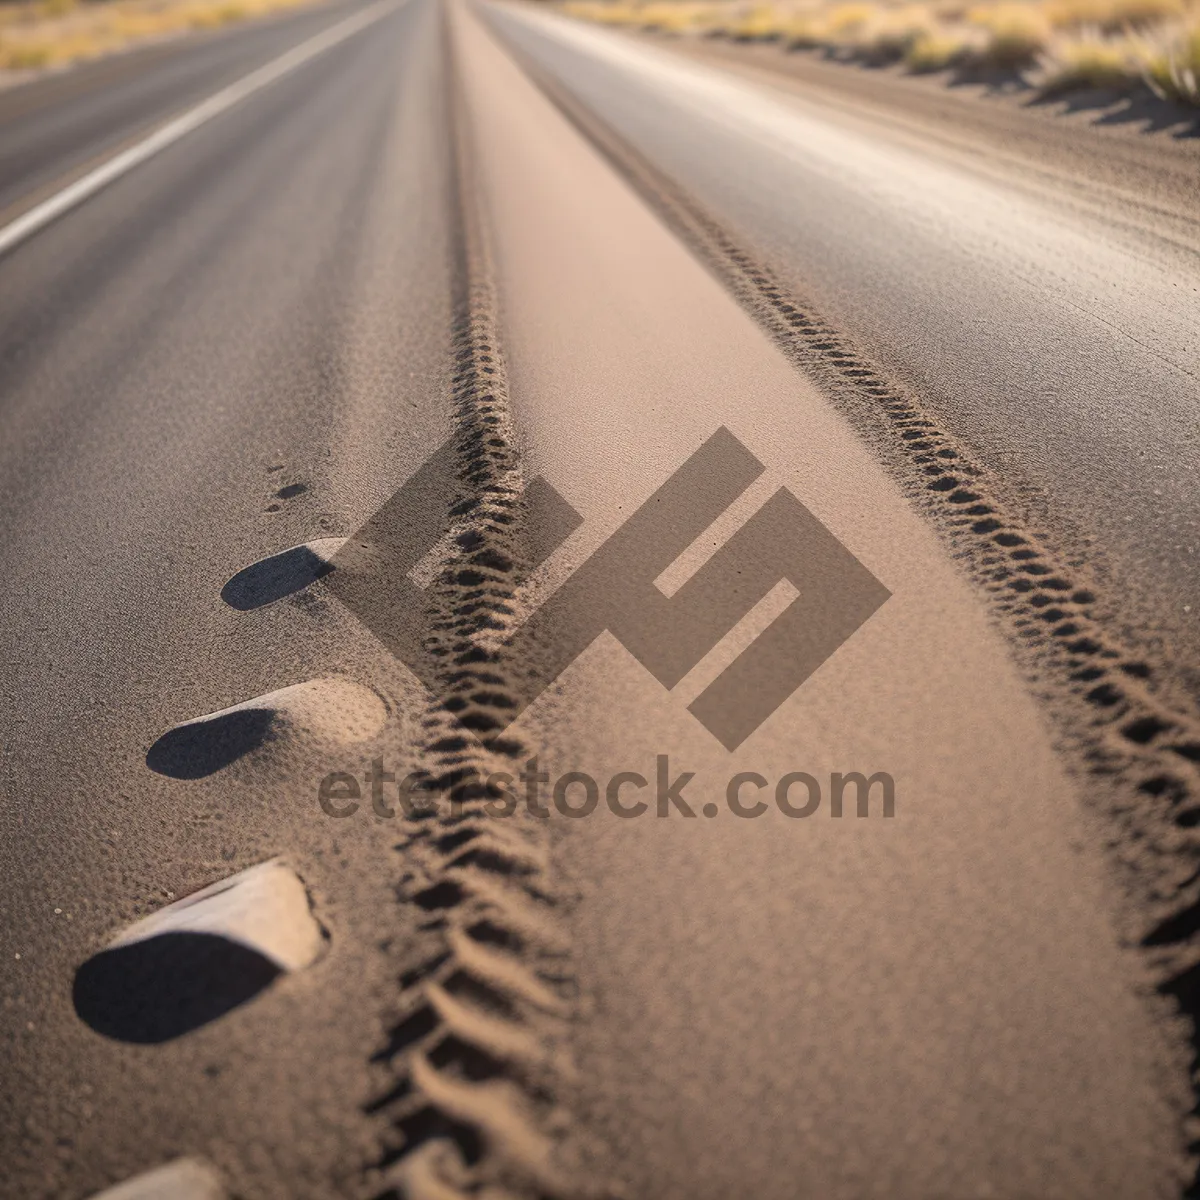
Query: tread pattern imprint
[[476, 1060]]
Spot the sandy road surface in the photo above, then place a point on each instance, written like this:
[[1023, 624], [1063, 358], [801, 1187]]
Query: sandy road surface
[[770, 954], [1043, 300], [251, 342]]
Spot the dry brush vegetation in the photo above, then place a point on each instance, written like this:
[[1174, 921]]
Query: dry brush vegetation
[[1054, 45], [39, 34]]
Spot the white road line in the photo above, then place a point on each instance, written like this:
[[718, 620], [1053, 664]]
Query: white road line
[[29, 222]]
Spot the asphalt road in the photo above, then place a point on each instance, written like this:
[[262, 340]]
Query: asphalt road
[[1038, 287], [56, 125], [254, 339], [265, 304]]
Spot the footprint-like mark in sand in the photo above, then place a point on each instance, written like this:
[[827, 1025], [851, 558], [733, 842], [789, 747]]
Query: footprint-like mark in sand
[[199, 958], [281, 574], [287, 492], [325, 710]]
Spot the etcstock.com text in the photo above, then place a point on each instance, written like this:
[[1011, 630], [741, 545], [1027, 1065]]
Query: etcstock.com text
[[627, 794]]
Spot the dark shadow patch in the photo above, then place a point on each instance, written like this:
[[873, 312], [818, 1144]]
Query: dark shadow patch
[[413, 1029], [273, 578], [1151, 113], [291, 490], [203, 747], [991, 78], [1069, 96], [428, 1124], [159, 989]]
